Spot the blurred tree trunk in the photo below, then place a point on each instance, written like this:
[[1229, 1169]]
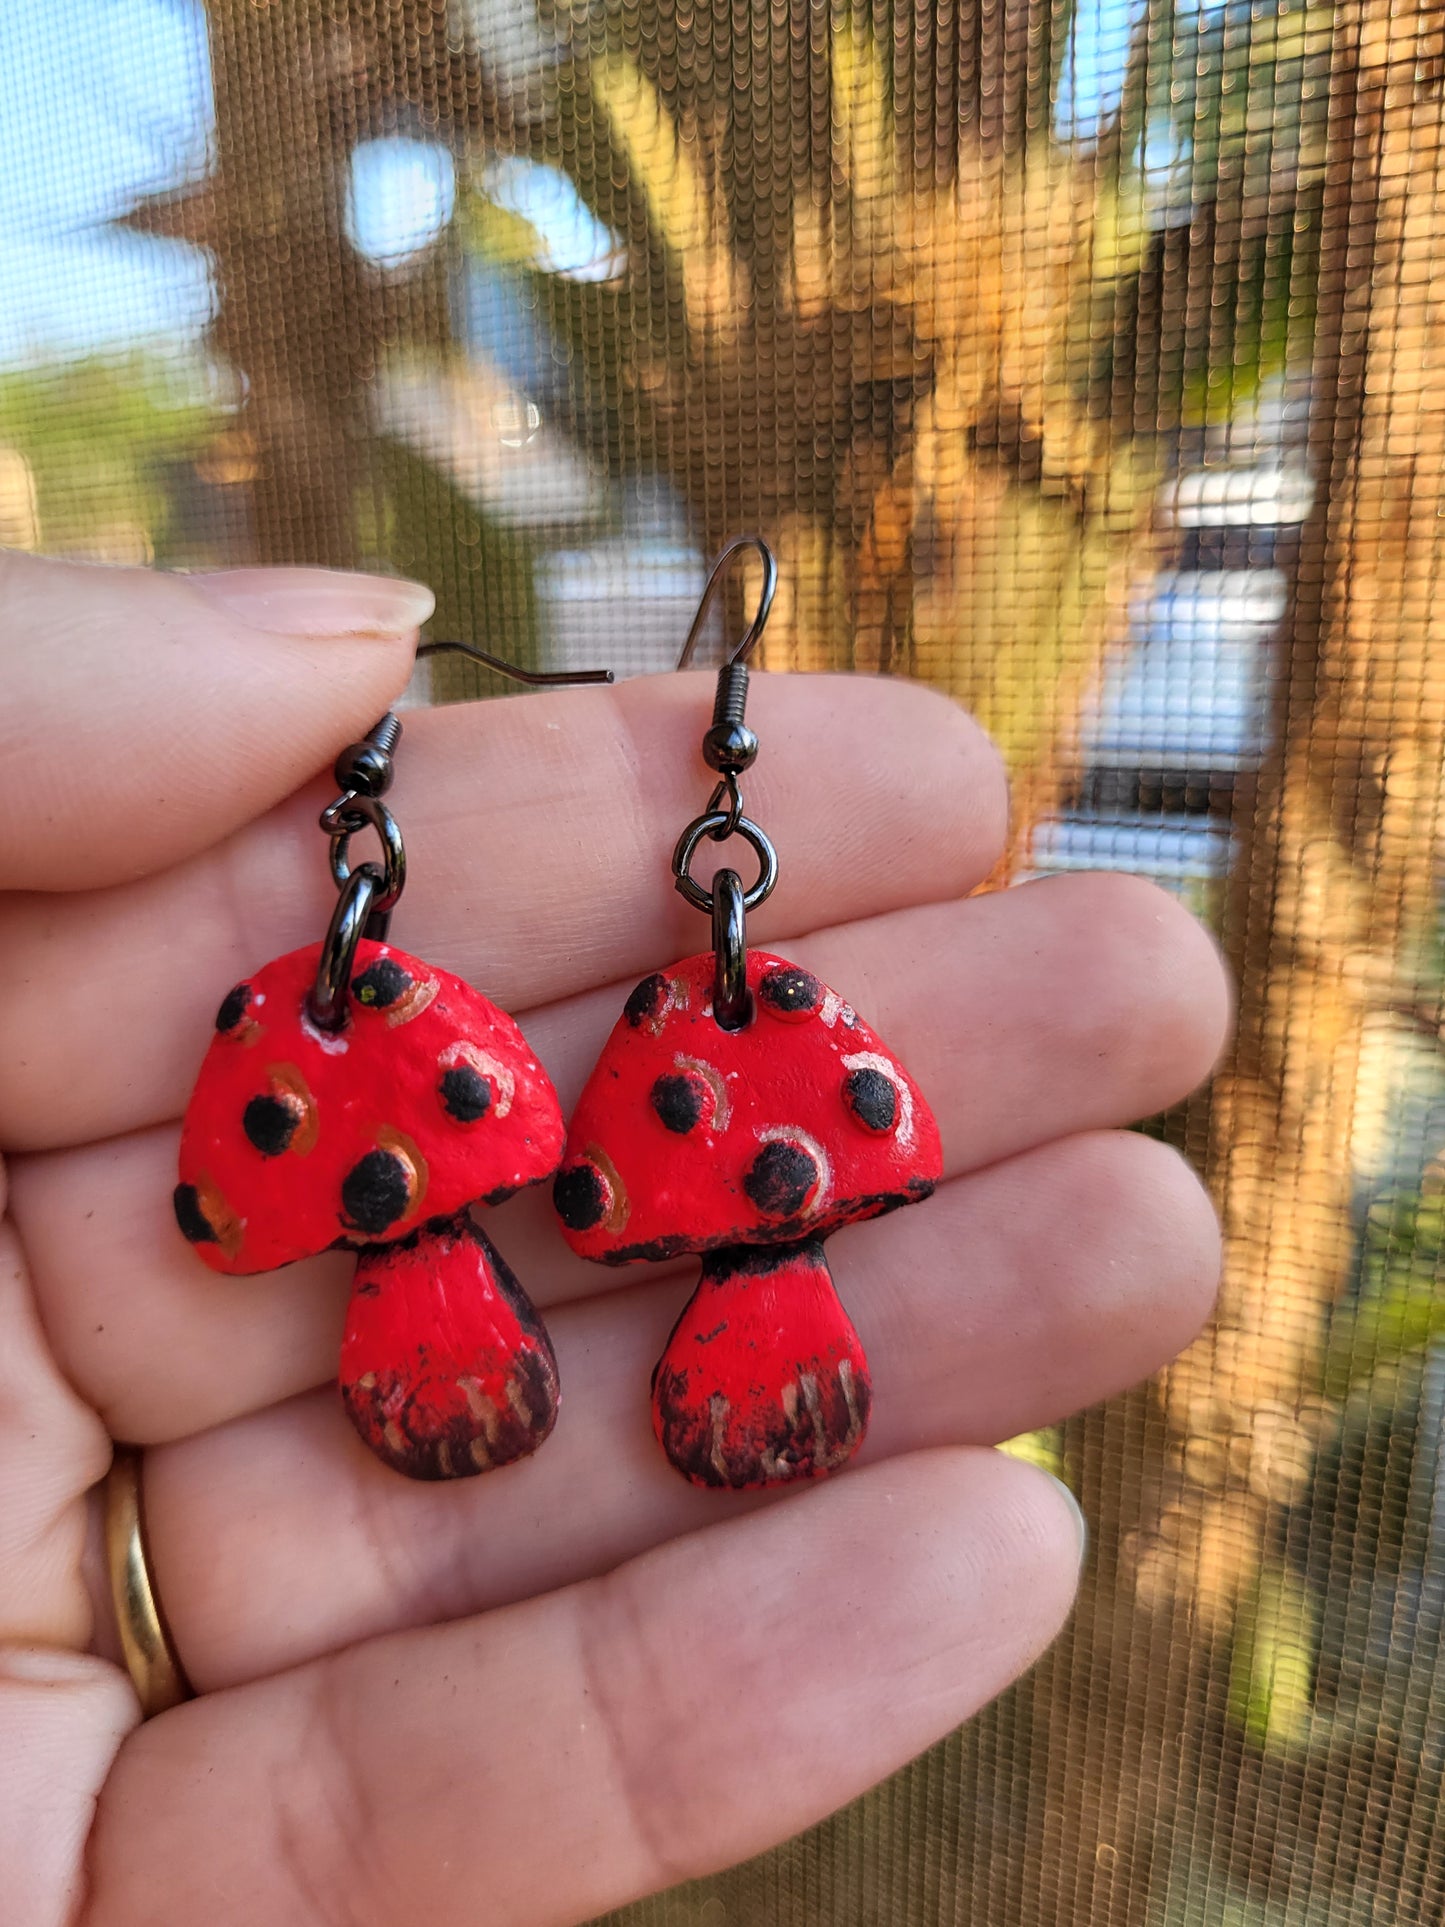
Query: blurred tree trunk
[[1335, 894], [292, 314], [302, 317]]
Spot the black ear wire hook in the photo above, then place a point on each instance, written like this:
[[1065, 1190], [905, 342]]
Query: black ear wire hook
[[368, 894], [730, 746], [382, 738], [533, 678], [714, 583]]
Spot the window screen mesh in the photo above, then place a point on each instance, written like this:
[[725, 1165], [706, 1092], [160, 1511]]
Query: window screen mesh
[[1083, 361]]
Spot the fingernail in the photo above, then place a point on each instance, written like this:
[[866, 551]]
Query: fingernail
[[45, 1665], [1080, 1522], [318, 602]]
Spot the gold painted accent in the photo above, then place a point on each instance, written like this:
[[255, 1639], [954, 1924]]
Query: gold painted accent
[[850, 1399], [830, 1461], [481, 1407], [418, 1176], [481, 1457], [291, 1088], [808, 1384], [902, 1128], [722, 1109], [414, 1002], [795, 1134], [621, 1204], [675, 997], [471, 1389], [518, 1403], [503, 1083], [151, 1659], [719, 1409], [230, 1229]]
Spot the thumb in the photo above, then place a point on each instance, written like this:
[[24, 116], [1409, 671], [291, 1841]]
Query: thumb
[[144, 716]]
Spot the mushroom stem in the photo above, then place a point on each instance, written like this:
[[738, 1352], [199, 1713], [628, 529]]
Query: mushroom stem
[[763, 1381], [446, 1369]]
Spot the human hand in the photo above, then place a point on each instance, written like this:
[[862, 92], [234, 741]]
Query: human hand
[[530, 1696]]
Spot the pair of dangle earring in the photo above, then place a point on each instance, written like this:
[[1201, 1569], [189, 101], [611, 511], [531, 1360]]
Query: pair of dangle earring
[[354, 1096]]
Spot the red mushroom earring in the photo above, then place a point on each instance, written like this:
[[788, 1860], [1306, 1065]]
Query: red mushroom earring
[[354, 1096], [743, 1111]]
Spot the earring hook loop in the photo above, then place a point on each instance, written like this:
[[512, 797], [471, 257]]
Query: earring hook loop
[[714, 582]]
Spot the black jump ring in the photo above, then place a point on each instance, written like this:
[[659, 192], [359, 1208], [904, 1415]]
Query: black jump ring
[[363, 810], [714, 824], [732, 1003], [359, 897]]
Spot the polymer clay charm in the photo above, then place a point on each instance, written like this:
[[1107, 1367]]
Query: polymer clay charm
[[749, 1146], [741, 1110], [376, 1136]]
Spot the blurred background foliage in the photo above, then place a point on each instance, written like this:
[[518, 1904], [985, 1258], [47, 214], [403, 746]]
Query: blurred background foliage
[[1080, 359]]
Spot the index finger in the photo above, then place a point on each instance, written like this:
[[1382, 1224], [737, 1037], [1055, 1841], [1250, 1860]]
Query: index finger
[[142, 716]]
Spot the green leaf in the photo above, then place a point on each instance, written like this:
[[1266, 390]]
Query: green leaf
[[1378, 1333], [1272, 1664], [1401, 1305], [1044, 1449], [106, 442]]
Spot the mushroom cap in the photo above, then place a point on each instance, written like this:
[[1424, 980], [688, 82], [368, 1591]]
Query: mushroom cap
[[689, 1137], [297, 1139]]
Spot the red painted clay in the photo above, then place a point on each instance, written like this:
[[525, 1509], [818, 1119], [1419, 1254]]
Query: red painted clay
[[427, 1100], [763, 1380], [446, 1369], [744, 1143]]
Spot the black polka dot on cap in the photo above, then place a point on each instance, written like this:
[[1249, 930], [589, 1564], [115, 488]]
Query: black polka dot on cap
[[679, 1101], [375, 1192], [466, 1094], [195, 1226], [780, 1178], [582, 1196], [872, 1098], [271, 1121], [234, 1006], [790, 992], [381, 983], [649, 998]]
